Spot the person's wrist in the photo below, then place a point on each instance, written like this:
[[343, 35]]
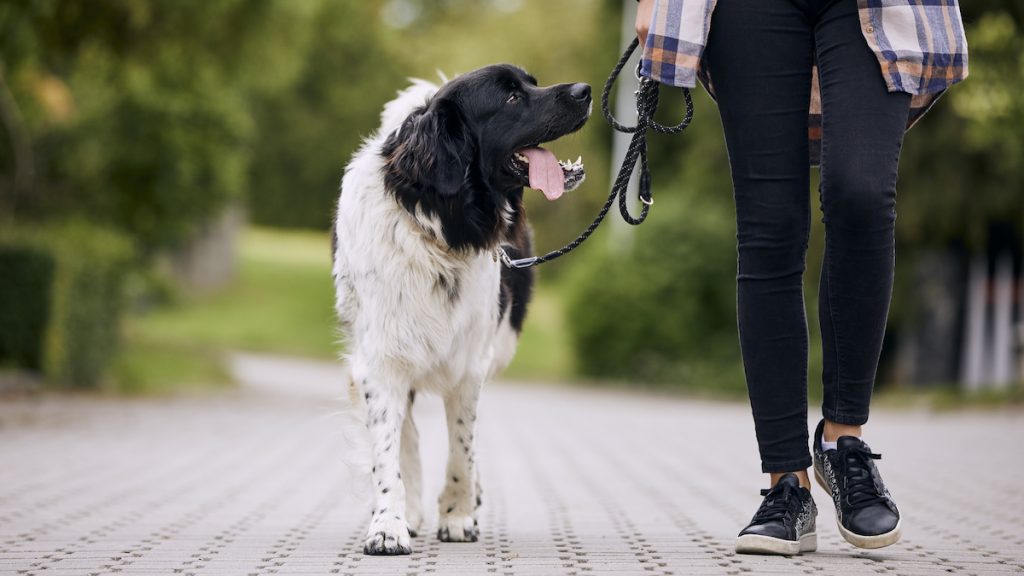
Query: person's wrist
[[644, 14]]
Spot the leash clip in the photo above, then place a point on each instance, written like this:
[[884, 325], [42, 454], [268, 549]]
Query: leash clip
[[517, 263]]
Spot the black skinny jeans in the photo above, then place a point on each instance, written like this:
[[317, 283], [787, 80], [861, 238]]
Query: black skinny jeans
[[760, 54]]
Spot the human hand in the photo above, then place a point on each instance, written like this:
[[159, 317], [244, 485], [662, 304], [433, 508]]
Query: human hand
[[644, 11]]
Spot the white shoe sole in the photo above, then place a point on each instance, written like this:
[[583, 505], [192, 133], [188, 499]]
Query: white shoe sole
[[758, 544], [869, 542]]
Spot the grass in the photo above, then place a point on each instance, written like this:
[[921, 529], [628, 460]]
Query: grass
[[280, 302], [544, 352], [949, 397], [148, 368]]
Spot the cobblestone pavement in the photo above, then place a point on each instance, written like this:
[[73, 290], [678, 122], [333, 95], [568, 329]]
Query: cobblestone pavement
[[575, 481]]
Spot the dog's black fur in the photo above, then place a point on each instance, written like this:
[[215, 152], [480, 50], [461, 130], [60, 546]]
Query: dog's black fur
[[450, 160]]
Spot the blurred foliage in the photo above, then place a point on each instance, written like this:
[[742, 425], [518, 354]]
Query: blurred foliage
[[961, 188], [962, 170], [353, 65], [148, 117], [66, 323], [656, 303], [139, 112], [24, 301], [146, 369], [659, 303], [662, 310], [280, 302]]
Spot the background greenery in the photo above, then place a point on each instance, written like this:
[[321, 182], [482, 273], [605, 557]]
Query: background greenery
[[150, 118]]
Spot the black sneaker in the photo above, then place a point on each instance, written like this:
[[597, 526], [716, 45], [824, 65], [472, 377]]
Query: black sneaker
[[865, 512], [784, 524]]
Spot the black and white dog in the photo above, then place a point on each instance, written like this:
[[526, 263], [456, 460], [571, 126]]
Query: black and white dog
[[422, 298]]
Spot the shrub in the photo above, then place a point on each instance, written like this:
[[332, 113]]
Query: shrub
[[26, 274], [66, 322], [662, 309]]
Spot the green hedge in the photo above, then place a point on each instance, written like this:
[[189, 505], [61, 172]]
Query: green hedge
[[26, 273], [662, 309], [61, 300]]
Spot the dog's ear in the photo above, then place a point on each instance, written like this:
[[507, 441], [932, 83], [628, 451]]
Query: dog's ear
[[431, 151]]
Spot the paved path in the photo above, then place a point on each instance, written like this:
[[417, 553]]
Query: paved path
[[575, 482]]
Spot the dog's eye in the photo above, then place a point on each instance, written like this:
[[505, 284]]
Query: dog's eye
[[512, 98]]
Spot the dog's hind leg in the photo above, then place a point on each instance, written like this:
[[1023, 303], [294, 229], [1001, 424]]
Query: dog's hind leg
[[458, 500], [412, 471], [386, 402]]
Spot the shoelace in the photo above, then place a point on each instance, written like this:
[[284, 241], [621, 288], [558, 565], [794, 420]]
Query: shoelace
[[779, 501], [861, 491]]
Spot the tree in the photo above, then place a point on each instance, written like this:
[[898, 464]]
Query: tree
[[139, 113], [307, 133]]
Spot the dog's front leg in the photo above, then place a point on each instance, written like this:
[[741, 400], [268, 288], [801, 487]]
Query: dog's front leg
[[412, 471], [458, 500], [386, 407]]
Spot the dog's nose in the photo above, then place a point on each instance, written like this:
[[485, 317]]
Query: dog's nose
[[580, 91]]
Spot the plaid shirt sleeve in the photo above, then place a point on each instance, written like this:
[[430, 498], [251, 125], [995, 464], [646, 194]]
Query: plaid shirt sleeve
[[676, 40], [920, 45]]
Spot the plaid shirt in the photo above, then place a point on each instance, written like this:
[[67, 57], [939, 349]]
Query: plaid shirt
[[920, 45]]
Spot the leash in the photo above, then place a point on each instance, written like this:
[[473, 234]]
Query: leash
[[646, 105]]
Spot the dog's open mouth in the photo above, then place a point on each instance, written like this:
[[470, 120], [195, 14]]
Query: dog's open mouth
[[538, 168]]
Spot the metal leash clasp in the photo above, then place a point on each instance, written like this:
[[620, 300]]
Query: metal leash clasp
[[517, 263]]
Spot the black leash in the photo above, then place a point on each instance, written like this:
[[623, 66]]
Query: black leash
[[646, 105]]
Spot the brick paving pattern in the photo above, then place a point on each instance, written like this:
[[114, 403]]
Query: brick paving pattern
[[575, 481]]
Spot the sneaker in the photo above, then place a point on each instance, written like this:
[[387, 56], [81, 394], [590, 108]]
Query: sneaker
[[865, 512], [784, 524]]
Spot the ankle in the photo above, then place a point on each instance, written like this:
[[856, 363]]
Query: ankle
[[805, 481], [833, 431]]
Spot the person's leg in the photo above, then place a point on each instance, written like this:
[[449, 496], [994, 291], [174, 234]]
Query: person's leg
[[760, 58], [862, 132]]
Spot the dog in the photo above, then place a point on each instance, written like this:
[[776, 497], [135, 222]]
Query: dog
[[422, 298]]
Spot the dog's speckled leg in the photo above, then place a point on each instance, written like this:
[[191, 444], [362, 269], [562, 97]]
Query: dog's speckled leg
[[458, 500], [386, 403], [412, 471]]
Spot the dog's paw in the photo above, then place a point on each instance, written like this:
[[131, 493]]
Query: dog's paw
[[387, 537], [414, 528], [415, 522], [458, 528]]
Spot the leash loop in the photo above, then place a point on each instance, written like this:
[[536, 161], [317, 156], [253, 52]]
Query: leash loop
[[636, 154]]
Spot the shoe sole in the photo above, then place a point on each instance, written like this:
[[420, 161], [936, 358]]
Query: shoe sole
[[860, 541], [758, 544]]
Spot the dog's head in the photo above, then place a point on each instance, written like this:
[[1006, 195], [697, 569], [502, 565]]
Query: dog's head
[[466, 155]]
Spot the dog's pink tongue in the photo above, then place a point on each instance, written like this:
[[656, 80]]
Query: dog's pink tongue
[[545, 172]]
